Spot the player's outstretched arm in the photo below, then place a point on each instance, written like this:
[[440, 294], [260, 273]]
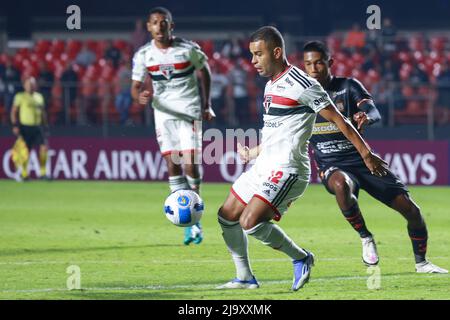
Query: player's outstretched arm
[[375, 164], [205, 82]]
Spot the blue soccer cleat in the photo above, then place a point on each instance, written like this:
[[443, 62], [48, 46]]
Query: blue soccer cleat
[[193, 234], [240, 284], [302, 271]]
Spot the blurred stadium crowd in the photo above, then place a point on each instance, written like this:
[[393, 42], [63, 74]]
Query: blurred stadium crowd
[[88, 81]]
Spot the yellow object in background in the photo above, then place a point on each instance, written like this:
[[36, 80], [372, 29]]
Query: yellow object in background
[[19, 152]]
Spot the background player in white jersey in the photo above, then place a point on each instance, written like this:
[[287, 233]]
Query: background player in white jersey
[[282, 169], [172, 64]]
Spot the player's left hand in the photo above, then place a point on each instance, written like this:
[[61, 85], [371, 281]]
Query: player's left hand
[[376, 165], [208, 114], [361, 119]]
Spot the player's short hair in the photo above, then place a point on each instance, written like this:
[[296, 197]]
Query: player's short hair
[[270, 35], [161, 10], [317, 46]]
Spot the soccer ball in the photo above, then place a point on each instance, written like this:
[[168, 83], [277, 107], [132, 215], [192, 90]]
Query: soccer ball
[[183, 208]]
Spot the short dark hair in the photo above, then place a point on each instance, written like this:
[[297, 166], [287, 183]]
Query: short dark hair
[[161, 10], [317, 46], [270, 35]]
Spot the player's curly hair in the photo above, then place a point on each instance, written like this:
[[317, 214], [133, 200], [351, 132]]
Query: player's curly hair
[[161, 10], [270, 35], [317, 46]]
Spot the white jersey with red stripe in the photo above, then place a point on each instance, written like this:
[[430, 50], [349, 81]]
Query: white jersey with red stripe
[[172, 70], [291, 102]]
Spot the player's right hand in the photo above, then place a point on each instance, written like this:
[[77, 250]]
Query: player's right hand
[[144, 97], [244, 153], [375, 164], [16, 131]]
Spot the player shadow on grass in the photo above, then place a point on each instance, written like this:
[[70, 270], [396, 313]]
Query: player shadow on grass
[[117, 295], [21, 251]]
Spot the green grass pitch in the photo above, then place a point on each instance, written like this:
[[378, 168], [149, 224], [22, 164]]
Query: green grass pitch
[[116, 233]]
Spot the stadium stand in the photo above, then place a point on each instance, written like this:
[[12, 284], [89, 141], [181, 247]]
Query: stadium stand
[[404, 72]]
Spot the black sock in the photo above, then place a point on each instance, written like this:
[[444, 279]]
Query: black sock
[[354, 217], [419, 239]]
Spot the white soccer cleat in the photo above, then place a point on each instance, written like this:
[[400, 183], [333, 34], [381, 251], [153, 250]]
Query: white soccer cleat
[[369, 253], [428, 267], [240, 284], [302, 271]]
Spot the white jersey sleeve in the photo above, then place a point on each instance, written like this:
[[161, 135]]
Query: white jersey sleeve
[[315, 97], [139, 70], [197, 57]]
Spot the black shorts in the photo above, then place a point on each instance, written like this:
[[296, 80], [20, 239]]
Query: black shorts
[[33, 135], [384, 189]]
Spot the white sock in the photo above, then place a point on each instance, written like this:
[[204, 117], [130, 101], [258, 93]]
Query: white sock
[[194, 183], [236, 241], [273, 236], [178, 183]]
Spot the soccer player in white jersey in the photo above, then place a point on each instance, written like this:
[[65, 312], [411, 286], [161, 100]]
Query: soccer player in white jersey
[[172, 64], [282, 169]]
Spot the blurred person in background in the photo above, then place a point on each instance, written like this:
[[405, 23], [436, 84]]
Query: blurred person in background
[[10, 76], [123, 97], [388, 33], [140, 36], [238, 81], [219, 84], [45, 81], [29, 120], [355, 38], [85, 57], [443, 87], [69, 85], [175, 65], [112, 54]]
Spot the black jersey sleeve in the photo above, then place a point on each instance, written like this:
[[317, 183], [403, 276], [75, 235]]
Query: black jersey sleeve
[[357, 91]]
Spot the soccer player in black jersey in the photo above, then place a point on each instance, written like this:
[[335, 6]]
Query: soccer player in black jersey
[[342, 169]]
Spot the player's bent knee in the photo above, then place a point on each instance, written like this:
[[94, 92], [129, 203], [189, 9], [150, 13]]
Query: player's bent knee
[[341, 186], [248, 221], [229, 212]]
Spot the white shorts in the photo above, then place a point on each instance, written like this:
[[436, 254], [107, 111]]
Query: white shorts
[[278, 188], [175, 135]]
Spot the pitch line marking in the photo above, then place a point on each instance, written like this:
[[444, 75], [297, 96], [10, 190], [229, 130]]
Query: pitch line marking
[[202, 286]]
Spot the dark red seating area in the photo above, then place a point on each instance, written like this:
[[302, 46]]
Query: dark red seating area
[[98, 80]]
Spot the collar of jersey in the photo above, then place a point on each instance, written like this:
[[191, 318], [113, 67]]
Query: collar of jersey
[[289, 66]]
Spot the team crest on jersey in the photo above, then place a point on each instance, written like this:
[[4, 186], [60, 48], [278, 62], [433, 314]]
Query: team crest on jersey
[[340, 105], [267, 102], [166, 70]]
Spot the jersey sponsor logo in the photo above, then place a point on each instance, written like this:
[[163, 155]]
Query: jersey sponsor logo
[[335, 146], [321, 99], [270, 186], [289, 81], [340, 92], [267, 192], [270, 124], [280, 87], [325, 128]]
